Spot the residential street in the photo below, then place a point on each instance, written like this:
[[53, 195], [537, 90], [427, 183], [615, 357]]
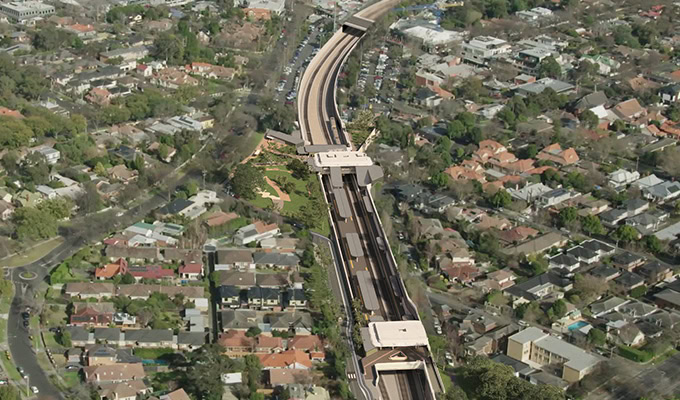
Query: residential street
[[17, 336]]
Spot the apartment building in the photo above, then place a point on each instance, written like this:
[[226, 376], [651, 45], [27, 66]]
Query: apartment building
[[481, 49], [533, 346]]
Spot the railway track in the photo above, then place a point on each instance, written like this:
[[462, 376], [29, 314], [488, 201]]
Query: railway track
[[317, 119]]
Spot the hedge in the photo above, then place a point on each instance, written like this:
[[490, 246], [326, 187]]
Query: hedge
[[634, 354]]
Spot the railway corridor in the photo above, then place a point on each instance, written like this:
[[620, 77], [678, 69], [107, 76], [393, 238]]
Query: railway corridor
[[369, 270]]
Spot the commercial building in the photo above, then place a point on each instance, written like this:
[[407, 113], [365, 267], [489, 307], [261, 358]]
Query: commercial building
[[482, 49], [21, 11], [533, 346]]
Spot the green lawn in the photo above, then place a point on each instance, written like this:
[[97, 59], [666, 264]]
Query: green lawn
[[71, 378], [296, 200], [152, 354], [6, 301], [51, 340], [3, 329], [33, 254], [35, 331], [56, 316]]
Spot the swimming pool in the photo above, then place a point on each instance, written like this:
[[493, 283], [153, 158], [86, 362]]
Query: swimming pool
[[577, 325]]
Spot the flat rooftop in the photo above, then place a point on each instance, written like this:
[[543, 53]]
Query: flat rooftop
[[397, 334], [359, 22], [332, 159]]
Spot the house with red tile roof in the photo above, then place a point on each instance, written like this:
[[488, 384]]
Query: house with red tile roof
[[236, 343], [99, 96], [463, 273], [268, 344], [108, 271], [555, 154], [156, 272], [517, 167], [629, 110], [191, 271], [517, 234], [289, 359], [92, 314], [306, 343]]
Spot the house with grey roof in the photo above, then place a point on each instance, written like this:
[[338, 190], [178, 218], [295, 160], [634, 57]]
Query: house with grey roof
[[80, 336], [189, 341], [112, 336], [228, 259], [275, 260], [230, 296], [663, 192], [149, 338], [241, 320], [607, 305], [264, 298]]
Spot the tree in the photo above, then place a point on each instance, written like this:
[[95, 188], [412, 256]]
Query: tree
[[567, 216], [253, 371], [299, 169], [596, 337], [440, 180], [65, 338], [247, 179], [501, 199], [538, 264], [59, 207], [203, 379], [127, 279], [9, 392], [653, 244], [638, 292], [592, 225], [90, 201], [549, 68], [589, 119], [34, 224], [626, 233], [559, 308], [253, 331]]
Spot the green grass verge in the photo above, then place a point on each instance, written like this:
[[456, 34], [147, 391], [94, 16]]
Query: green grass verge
[[33, 254], [446, 380], [10, 368]]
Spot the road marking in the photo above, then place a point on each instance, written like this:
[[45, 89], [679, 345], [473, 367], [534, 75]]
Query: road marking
[[351, 264]]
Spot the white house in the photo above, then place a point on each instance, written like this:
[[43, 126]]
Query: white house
[[621, 177], [50, 154]]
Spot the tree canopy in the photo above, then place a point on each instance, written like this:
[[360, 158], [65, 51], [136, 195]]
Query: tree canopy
[[247, 179]]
